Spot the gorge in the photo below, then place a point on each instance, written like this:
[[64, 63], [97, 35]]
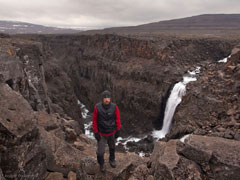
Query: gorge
[[45, 79]]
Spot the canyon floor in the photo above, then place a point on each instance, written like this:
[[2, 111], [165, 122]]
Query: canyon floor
[[44, 77]]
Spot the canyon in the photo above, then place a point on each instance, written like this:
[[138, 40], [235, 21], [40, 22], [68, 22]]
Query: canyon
[[42, 78]]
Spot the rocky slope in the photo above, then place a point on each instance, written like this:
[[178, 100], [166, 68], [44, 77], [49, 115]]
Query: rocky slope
[[203, 25]]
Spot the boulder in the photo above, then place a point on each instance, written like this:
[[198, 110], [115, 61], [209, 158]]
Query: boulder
[[218, 157], [61, 156], [65, 150], [166, 163], [22, 154], [199, 157]]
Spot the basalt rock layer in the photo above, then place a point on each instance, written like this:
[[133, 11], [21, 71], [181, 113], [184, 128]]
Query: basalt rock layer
[[138, 72]]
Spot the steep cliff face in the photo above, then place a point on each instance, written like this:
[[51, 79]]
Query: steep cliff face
[[23, 68], [211, 106], [138, 72]]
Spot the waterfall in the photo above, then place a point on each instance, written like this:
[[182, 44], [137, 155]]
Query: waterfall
[[174, 100]]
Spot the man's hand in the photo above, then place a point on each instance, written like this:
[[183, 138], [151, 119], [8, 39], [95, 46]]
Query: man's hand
[[117, 134], [97, 136]]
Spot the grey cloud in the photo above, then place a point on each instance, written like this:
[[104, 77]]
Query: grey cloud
[[109, 12]]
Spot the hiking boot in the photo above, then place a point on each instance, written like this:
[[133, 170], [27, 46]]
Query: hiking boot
[[102, 168], [113, 163]]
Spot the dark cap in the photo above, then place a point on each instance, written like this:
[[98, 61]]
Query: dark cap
[[106, 94]]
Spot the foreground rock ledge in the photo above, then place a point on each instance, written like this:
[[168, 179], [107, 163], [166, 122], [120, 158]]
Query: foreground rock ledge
[[200, 157]]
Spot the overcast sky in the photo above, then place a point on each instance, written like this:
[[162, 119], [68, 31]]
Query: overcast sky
[[109, 13]]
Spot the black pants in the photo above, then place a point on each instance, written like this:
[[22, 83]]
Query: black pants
[[110, 140]]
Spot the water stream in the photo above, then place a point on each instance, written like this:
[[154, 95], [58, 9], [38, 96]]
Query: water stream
[[87, 120]]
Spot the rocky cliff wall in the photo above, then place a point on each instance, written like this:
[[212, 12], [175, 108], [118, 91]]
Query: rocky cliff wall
[[138, 72], [23, 68], [54, 72]]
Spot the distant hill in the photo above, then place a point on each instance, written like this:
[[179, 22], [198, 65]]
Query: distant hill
[[15, 27], [207, 23]]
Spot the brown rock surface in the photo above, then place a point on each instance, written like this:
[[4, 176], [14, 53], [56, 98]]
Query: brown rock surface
[[199, 157], [126, 162], [72, 176], [55, 176], [218, 157], [22, 155], [168, 164]]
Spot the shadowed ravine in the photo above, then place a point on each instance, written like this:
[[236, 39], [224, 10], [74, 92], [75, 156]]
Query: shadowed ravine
[[46, 79]]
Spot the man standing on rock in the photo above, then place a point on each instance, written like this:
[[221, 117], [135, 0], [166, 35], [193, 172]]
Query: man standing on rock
[[106, 126]]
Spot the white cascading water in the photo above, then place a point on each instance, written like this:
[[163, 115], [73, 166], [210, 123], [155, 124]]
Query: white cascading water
[[173, 101]]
